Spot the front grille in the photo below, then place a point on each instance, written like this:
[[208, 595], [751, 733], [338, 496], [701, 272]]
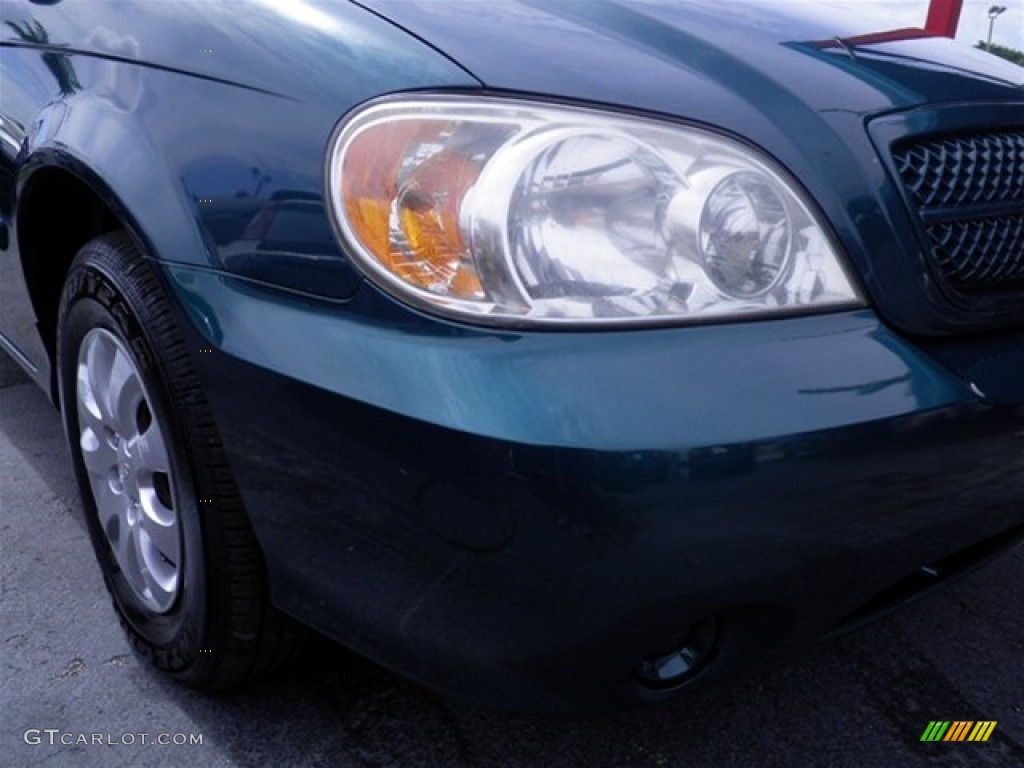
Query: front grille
[[968, 194]]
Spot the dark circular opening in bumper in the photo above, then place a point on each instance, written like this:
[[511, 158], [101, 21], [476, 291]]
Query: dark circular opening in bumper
[[677, 667]]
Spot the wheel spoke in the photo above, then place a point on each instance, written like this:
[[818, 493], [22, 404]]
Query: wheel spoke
[[126, 551], [112, 510], [159, 573], [94, 377], [160, 524], [90, 417], [99, 455], [150, 451], [160, 585], [125, 394]]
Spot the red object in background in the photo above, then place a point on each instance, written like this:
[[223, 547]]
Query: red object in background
[[943, 17]]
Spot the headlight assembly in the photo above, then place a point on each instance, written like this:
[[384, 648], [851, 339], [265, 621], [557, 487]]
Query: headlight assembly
[[510, 212]]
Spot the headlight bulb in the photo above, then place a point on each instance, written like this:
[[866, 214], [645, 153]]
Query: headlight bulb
[[745, 235]]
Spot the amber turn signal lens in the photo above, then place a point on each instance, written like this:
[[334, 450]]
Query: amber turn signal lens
[[402, 189]]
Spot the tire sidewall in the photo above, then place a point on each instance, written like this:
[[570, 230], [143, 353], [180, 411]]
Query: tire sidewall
[[98, 295]]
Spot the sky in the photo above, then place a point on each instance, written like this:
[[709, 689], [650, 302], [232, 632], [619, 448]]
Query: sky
[[1008, 29]]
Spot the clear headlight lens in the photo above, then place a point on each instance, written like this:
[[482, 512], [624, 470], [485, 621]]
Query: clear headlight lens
[[510, 212]]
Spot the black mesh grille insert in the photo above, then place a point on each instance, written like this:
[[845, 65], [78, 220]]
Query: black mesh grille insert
[[969, 195], [987, 254], [964, 171]]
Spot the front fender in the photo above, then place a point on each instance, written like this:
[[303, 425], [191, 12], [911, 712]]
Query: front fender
[[105, 147]]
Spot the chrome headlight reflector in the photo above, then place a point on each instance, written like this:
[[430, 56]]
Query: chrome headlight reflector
[[510, 212]]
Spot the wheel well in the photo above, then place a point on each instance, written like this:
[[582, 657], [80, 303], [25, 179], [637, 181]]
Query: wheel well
[[58, 214]]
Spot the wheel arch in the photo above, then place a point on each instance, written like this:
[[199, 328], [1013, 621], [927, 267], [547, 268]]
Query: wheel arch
[[85, 175], [46, 251]]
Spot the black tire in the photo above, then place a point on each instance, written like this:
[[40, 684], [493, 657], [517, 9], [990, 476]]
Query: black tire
[[166, 521]]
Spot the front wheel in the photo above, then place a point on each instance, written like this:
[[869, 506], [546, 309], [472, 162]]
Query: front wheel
[[177, 552]]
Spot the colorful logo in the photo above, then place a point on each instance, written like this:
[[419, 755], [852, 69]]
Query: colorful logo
[[958, 730]]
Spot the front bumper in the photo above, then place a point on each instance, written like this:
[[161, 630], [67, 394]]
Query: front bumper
[[522, 519]]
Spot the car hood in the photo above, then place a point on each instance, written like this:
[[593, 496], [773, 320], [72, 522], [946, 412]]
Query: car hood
[[702, 59]]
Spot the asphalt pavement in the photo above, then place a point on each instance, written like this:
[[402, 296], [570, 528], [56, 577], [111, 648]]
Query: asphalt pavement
[[73, 695]]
